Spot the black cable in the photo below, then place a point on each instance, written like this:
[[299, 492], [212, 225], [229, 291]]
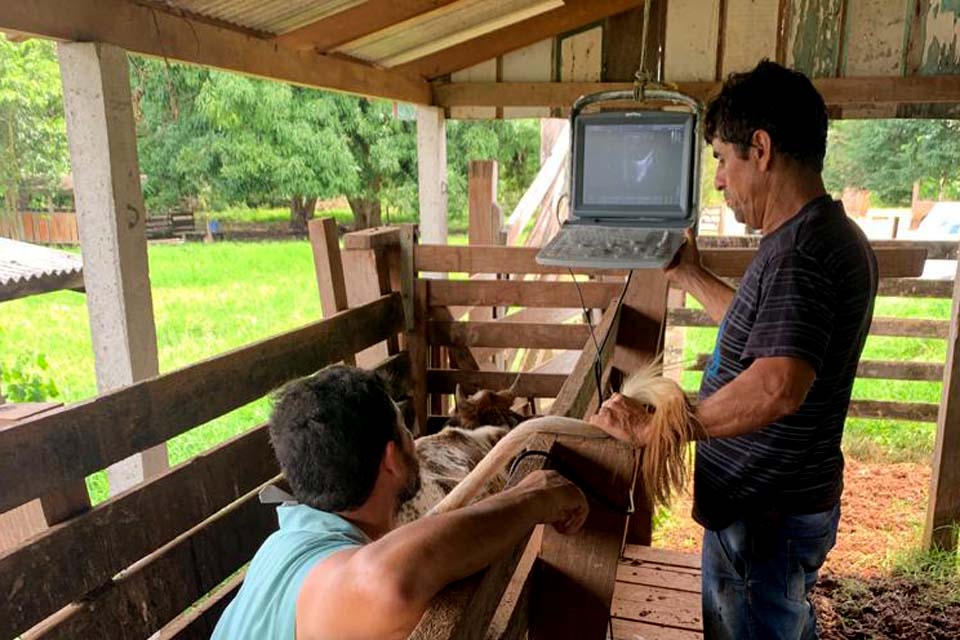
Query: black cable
[[572, 476]]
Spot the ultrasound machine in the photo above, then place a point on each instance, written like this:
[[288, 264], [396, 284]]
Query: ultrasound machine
[[634, 183]]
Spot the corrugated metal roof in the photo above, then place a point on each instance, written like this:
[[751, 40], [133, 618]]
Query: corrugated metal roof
[[271, 16], [43, 269]]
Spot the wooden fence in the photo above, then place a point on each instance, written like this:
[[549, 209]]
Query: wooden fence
[[43, 228], [136, 563]]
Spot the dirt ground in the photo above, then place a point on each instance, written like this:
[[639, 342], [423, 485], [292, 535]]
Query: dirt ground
[[883, 510]]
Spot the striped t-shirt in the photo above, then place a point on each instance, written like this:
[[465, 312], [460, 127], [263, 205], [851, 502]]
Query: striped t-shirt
[[808, 294]]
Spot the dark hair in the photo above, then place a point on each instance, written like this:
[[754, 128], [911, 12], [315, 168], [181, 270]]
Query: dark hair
[[329, 432], [782, 102]]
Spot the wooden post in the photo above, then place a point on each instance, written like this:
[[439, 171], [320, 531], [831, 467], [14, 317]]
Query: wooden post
[[642, 323], [366, 269], [943, 510], [111, 219], [485, 222], [432, 174], [325, 243], [485, 219]]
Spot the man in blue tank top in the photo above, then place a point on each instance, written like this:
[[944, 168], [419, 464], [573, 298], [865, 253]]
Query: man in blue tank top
[[337, 569], [774, 398]]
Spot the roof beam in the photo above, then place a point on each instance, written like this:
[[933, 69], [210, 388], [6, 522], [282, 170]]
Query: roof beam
[[356, 22], [836, 91], [155, 32], [574, 14]]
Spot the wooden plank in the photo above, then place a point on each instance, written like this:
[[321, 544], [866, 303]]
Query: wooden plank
[[533, 63], [537, 385], [885, 410], [512, 334], [634, 630], [836, 92], [622, 42], [574, 14], [481, 72], [46, 568], [574, 589], [355, 22], [658, 606], [530, 294], [372, 238], [581, 56], [639, 342], [914, 288], [463, 610], [40, 455], [442, 29], [943, 511], [814, 31], [580, 391], [461, 357], [328, 266], [724, 262], [659, 576], [691, 41], [153, 31], [873, 46], [485, 219], [750, 34], [511, 620], [169, 579], [416, 340], [898, 327], [367, 277], [198, 622], [666, 557]]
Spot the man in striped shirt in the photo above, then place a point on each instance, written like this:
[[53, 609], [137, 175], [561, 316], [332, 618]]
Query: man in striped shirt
[[774, 398]]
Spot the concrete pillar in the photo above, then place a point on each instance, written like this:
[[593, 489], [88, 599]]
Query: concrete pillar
[[111, 222], [432, 174]]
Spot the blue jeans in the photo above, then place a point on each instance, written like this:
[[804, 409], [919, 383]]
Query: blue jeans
[[757, 574]]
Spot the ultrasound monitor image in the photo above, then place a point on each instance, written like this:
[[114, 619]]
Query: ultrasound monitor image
[[633, 165]]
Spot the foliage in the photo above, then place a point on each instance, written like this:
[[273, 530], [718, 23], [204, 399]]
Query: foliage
[[26, 380], [222, 138], [888, 156], [33, 143], [514, 144]]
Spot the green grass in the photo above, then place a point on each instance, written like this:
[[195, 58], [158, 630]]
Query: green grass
[[207, 299], [281, 215]]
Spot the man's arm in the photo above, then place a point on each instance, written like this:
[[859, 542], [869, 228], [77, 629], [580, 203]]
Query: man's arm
[[769, 389], [382, 589], [687, 271]]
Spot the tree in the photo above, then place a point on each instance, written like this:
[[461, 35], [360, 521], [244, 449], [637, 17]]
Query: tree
[[33, 141], [226, 138], [888, 156], [514, 144]]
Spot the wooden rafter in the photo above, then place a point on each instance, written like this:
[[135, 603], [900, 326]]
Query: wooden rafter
[[836, 91], [574, 14], [356, 22], [156, 32]]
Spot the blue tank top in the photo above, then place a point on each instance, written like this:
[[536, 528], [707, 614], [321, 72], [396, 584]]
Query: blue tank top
[[265, 606]]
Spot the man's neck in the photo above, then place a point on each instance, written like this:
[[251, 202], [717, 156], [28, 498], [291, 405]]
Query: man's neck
[[789, 192], [375, 517]]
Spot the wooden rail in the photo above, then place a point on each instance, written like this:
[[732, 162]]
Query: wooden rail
[[192, 527], [730, 263], [40, 456]]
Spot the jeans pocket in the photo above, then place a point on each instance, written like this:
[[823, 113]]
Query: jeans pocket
[[805, 556]]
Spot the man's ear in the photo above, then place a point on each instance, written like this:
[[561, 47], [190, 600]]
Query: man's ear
[[762, 148], [391, 462]]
